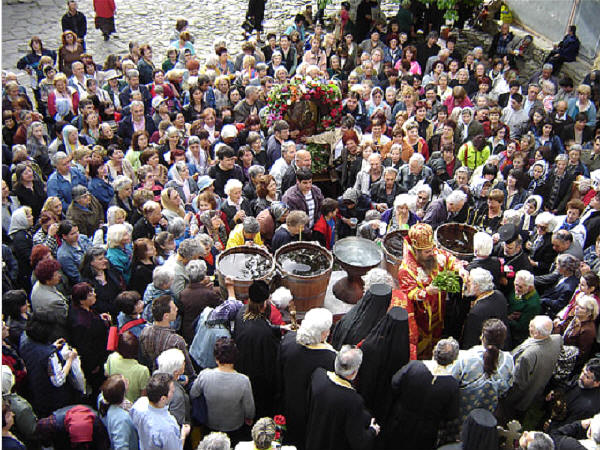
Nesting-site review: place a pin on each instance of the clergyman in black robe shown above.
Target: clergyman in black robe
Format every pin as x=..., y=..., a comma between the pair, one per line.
x=258, y=344
x=301, y=353
x=359, y=321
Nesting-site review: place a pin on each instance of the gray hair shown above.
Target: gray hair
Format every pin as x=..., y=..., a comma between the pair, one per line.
x=162, y=277
x=215, y=441
x=176, y=227
x=404, y=200
x=315, y=322
x=543, y=325
x=568, y=262
x=170, y=361
x=446, y=351
x=193, y=140
x=255, y=171
x=348, y=361
x=58, y=157
x=389, y=169
x=512, y=216
x=205, y=239
x=115, y=235
x=526, y=276
x=541, y=441
x=561, y=157
x=172, y=131
x=111, y=214
x=251, y=225
x=483, y=244
x=196, y=270
x=424, y=188
x=417, y=157
x=285, y=146
x=181, y=166
x=232, y=184
x=377, y=276
x=189, y=249
x=482, y=278
x=122, y=182
x=456, y=196
x=132, y=73
x=251, y=89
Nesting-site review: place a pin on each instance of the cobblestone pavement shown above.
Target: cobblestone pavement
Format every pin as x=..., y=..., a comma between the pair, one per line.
x=145, y=21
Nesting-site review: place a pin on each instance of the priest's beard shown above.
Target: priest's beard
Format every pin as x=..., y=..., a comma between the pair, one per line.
x=427, y=262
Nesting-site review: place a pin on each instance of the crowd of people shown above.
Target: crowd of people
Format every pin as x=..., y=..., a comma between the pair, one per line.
x=122, y=183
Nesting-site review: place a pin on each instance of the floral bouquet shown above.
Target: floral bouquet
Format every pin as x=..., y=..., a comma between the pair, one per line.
x=280, y=427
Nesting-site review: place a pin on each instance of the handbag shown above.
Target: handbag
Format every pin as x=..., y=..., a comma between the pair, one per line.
x=114, y=333
x=199, y=409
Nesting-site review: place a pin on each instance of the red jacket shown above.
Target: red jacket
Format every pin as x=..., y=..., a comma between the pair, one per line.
x=104, y=8
x=323, y=227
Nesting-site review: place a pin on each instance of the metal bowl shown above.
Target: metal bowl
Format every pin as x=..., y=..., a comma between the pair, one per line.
x=357, y=252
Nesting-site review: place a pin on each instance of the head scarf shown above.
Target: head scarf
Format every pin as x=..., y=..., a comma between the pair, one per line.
x=65, y=134
x=18, y=221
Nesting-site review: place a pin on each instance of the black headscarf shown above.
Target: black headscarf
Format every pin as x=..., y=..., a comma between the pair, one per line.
x=385, y=351
x=479, y=431
x=357, y=322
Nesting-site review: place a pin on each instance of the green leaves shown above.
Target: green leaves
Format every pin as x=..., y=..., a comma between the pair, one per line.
x=447, y=280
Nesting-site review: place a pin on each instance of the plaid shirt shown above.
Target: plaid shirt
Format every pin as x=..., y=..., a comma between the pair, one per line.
x=155, y=339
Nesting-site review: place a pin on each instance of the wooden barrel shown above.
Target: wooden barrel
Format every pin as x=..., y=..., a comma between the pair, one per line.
x=391, y=262
x=308, y=291
x=448, y=235
x=241, y=286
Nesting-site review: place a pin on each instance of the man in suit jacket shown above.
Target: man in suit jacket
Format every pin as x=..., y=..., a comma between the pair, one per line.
x=136, y=121
x=535, y=361
x=133, y=84
x=578, y=131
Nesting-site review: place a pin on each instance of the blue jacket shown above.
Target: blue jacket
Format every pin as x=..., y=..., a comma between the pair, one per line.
x=69, y=258
x=103, y=191
x=556, y=298
x=120, y=427
x=59, y=187
x=569, y=47
x=573, y=110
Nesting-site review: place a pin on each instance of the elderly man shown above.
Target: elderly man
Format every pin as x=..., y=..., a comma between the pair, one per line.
x=348, y=424
x=370, y=176
x=301, y=353
x=247, y=232
x=535, y=361
x=250, y=105
x=422, y=263
x=488, y=303
x=189, y=250
x=133, y=85
x=85, y=211
x=451, y=209
x=563, y=243
x=64, y=179
x=137, y=121
x=413, y=172
x=151, y=223
x=302, y=160
x=523, y=305
x=77, y=80
x=415, y=423
x=567, y=279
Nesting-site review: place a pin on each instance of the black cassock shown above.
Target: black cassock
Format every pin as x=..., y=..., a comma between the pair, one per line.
x=258, y=358
x=420, y=403
x=337, y=418
x=494, y=306
x=298, y=362
x=358, y=322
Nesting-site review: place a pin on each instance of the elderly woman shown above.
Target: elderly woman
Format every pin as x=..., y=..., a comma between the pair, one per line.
x=88, y=331
x=48, y=373
x=484, y=372
x=172, y=361
x=369, y=176
x=85, y=211
x=98, y=184
x=579, y=329
x=231, y=408
x=46, y=300
x=523, y=305
x=542, y=254
x=235, y=207
x=264, y=432
x=123, y=188
x=124, y=362
x=557, y=297
x=400, y=216
x=107, y=281
x=37, y=146
x=162, y=277
x=20, y=233
x=171, y=203
x=185, y=185
x=197, y=295
x=198, y=158
x=119, y=253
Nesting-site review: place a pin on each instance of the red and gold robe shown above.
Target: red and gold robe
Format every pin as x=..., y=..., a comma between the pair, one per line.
x=428, y=309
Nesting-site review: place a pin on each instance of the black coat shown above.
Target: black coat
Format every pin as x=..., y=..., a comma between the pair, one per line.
x=125, y=97
x=298, y=362
x=34, y=198
x=126, y=129
x=76, y=23
x=592, y=225
x=492, y=306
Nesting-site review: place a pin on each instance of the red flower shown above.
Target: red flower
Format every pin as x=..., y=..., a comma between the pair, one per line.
x=279, y=420
x=277, y=435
